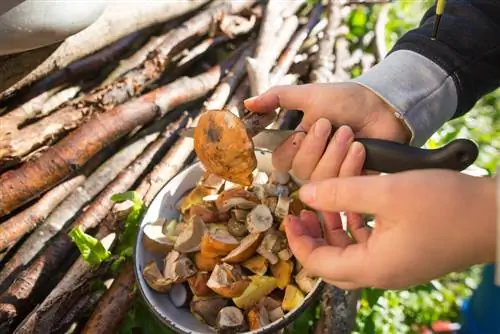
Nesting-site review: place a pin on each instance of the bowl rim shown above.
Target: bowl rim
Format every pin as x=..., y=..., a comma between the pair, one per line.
x=274, y=326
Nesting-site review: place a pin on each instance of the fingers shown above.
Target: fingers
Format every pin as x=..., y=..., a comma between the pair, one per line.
x=361, y=194
x=320, y=259
x=334, y=232
x=311, y=223
x=335, y=155
x=283, y=155
x=354, y=161
x=311, y=149
x=356, y=225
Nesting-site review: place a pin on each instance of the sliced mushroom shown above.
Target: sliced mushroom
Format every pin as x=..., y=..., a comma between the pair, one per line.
x=285, y=254
x=260, y=178
x=305, y=282
x=282, y=207
x=195, y=196
x=179, y=295
x=257, y=264
x=279, y=177
x=245, y=250
x=258, y=318
x=207, y=308
x=189, y=240
x=178, y=267
x=217, y=241
x=259, y=287
x=212, y=181
x=231, y=320
x=296, y=206
x=227, y=280
x=273, y=308
x=208, y=215
x=198, y=284
x=236, y=197
x=271, y=245
x=240, y=214
x=282, y=271
x=155, y=279
x=293, y=298
x=271, y=202
x=276, y=314
x=260, y=219
x=154, y=240
x=236, y=228
x=204, y=263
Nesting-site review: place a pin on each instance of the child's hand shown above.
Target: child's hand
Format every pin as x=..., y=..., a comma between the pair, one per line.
x=325, y=105
x=428, y=223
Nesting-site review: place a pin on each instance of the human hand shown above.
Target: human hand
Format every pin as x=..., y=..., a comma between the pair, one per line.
x=324, y=106
x=428, y=223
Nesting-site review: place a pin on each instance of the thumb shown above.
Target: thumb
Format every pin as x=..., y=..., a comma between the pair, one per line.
x=360, y=194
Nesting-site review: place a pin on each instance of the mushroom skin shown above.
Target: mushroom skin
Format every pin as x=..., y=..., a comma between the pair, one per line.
x=154, y=240
x=178, y=267
x=257, y=317
x=190, y=238
x=217, y=242
x=257, y=264
x=207, y=308
x=155, y=279
x=236, y=197
x=245, y=250
x=198, y=284
x=231, y=320
x=227, y=280
x=204, y=263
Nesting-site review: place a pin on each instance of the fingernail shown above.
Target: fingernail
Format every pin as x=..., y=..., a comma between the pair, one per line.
x=250, y=99
x=307, y=193
x=357, y=149
x=322, y=128
x=298, y=138
x=343, y=134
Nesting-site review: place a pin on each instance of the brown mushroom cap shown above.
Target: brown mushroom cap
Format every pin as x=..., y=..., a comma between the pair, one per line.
x=155, y=279
x=223, y=145
x=245, y=250
x=217, y=241
x=228, y=280
x=198, y=284
x=190, y=238
x=258, y=317
x=231, y=320
x=236, y=198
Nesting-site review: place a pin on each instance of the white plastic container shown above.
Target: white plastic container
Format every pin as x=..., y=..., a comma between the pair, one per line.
x=31, y=24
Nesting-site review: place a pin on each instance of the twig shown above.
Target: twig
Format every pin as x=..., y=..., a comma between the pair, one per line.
x=235, y=104
x=380, y=45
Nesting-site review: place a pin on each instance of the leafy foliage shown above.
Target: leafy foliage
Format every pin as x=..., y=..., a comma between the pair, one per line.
x=92, y=250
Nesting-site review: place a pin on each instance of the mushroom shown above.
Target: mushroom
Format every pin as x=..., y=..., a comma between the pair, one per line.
x=282, y=271
x=259, y=287
x=258, y=317
x=208, y=215
x=195, y=196
x=198, y=284
x=225, y=148
x=236, y=197
x=273, y=308
x=178, y=267
x=260, y=219
x=155, y=279
x=279, y=177
x=154, y=240
x=240, y=214
x=285, y=254
x=207, y=308
x=179, y=295
x=217, y=241
x=205, y=263
x=271, y=202
x=231, y=320
x=276, y=314
x=245, y=249
x=282, y=207
x=257, y=264
x=212, y=181
x=227, y=280
x=236, y=228
x=259, y=178
x=293, y=298
x=189, y=240
x=305, y=282
x=296, y=206
x=271, y=244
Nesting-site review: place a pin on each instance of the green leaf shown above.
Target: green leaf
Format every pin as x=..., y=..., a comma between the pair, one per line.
x=92, y=250
x=140, y=319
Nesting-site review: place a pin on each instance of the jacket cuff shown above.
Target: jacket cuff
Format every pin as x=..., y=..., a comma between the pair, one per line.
x=423, y=95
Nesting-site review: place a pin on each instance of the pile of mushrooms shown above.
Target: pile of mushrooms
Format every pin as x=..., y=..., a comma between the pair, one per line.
x=226, y=257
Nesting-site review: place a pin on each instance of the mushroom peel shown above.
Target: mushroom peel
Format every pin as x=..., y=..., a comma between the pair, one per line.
x=227, y=281
x=260, y=219
x=190, y=238
x=224, y=146
x=198, y=284
x=154, y=240
x=155, y=279
x=245, y=249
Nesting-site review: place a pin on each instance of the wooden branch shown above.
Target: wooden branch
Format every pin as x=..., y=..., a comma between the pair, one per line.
x=117, y=21
x=35, y=177
x=18, y=300
x=380, y=44
x=235, y=104
x=338, y=311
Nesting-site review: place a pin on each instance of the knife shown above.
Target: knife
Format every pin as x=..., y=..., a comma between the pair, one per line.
x=382, y=155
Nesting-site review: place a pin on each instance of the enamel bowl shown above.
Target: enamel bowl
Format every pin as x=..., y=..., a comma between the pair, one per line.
x=181, y=320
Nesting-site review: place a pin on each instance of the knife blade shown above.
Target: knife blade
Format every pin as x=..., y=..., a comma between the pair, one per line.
x=382, y=155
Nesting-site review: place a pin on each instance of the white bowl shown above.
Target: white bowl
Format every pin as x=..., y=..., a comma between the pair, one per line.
x=163, y=206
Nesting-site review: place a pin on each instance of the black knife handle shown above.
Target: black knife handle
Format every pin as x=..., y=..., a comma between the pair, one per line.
x=391, y=157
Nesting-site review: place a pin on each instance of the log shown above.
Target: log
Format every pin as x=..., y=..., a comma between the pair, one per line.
x=31, y=284
x=35, y=177
x=131, y=84
x=235, y=104
x=117, y=21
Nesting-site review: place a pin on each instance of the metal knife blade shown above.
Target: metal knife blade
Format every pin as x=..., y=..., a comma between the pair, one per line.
x=266, y=139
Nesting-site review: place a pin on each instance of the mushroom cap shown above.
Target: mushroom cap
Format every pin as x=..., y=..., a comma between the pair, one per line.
x=155, y=240
x=155, y=279
x=223, y=145
x=228, y=281
x=245, y=250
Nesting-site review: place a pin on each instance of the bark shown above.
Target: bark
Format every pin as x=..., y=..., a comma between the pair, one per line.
x=292, y=7
x=35, y=177
x=380, y=45
x=235, y=104
x=285, y=61
x=74, y=203
x=18, y=300
x=338, y=311
x=324, y=64
x=118, y=21
x=130, y=85
x=113, y=306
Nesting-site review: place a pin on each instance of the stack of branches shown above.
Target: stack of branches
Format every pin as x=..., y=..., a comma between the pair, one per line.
x=80, y=159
